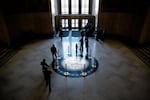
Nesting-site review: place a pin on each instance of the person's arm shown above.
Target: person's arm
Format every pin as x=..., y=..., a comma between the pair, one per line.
x=55, y=50
x=46, y=64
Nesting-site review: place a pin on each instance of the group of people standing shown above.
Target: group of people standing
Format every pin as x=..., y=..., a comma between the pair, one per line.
x=82, y=44
x=88, y=30
x=46, y=68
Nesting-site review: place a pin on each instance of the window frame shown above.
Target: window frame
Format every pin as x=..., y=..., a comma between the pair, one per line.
x=79, y=7
x=65, y=23
x=74, y=23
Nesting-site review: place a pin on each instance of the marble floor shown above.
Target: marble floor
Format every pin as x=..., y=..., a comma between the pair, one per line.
x=120, y=74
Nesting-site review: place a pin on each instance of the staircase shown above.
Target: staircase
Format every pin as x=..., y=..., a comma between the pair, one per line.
x=143, y=53
x=6, y=54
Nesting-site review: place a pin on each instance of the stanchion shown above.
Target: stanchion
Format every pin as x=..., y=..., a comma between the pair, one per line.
x=66, y=73
x=93, y=63
x=84, y=72
x=56, y=65
x=90, y=57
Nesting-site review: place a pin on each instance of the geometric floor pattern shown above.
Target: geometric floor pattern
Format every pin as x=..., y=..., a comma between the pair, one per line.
x=75, y=67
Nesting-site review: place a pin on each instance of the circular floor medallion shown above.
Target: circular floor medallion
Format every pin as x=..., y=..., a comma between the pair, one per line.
x=75, y=66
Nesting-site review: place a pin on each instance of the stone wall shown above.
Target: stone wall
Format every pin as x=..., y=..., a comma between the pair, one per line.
x=4, y=36
x=125, y=18
x=145, y=36
x=24, y=18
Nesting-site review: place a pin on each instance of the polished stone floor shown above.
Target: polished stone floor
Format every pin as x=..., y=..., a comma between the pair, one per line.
x=120, y=74
x=72, y=60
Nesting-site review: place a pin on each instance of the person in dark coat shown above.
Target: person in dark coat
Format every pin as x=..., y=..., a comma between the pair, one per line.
x=44, y=64
x=87, y=44
x=76, y=49
x=44, y=67
x=54, y=51
x=82, y=34
x=81, y=44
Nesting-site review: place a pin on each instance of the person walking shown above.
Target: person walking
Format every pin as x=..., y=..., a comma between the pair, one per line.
x=81, y=45
x=54, y=51
x=44, y=64
x=44, y=67
x=87, y=44
x=82, y=34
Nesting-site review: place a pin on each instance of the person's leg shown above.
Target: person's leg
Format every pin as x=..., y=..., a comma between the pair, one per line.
x=76, y=52
x=87, y=50
x=49, y=83
x=61, y=37
x=55, y=55
x=82, y=48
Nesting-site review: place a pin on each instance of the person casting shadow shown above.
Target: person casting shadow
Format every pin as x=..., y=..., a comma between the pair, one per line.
x=81, y=44
x=87, y=44
x=44, y=67
x=46, y=73
x=76, y=49
x=44, y=64
x=54, y=51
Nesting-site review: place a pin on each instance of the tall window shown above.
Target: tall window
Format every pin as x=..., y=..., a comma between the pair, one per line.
x=53, y=12
x=96, y=6
x=75, y=23
x=64, y=23
x=64, y=7
x=95, y=10
x=85, y=7
x=84, y=22
x=75, y=7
